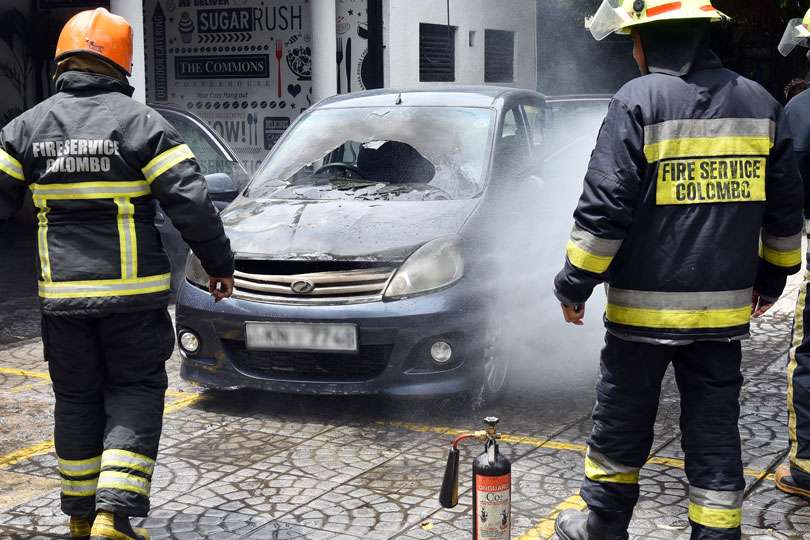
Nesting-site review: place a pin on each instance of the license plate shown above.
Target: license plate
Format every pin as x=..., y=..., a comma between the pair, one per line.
x=324, y=337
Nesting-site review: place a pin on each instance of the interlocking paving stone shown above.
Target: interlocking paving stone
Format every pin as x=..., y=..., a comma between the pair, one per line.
x=251, y=465
x=363, y=512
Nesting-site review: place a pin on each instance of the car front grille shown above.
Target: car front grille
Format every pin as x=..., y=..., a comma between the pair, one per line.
x=369, y=362
x=315, y=282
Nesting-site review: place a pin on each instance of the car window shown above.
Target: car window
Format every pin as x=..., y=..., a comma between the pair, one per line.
x=512, y=150
x=534, y=122
x=381, y=153
x=209, y=156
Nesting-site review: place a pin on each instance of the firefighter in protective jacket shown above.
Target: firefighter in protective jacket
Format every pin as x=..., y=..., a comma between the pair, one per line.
x=691, y=215
x=794, y=477
x=97, y=162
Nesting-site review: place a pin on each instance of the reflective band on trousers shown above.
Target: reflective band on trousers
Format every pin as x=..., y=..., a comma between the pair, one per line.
x=708, y=137
x=783, y=251
x=600, y=468
x=589, y=252
x=716, y=509
x=123, y=459
x=79, y=488
x=687, y=310
x=110, y=287
x=124, y=482
x=11, y=166
x=165, y=161
x=80, y=467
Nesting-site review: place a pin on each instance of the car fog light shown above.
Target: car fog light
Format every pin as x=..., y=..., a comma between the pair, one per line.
x=189, y=342
x=441, y=352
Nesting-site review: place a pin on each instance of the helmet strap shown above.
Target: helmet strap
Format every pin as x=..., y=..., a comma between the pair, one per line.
x=638, y=52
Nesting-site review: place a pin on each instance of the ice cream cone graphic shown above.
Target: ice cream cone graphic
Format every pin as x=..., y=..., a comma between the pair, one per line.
x=186, y=27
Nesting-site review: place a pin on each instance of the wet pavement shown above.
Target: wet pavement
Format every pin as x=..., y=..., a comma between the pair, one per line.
x=248, y=465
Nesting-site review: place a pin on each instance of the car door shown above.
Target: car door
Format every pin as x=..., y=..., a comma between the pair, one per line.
x=224, y=175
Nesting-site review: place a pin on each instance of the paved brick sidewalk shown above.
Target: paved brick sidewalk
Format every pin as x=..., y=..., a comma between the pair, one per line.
x=247, y=465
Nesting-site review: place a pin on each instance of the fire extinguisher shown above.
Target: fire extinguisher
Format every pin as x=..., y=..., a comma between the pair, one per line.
x=492, y=485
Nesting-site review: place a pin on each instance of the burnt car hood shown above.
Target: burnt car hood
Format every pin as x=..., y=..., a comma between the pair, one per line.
x=340, y=229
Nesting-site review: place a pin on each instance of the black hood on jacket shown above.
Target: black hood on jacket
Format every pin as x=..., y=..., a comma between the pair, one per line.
x=81, y=81
x=678, y=47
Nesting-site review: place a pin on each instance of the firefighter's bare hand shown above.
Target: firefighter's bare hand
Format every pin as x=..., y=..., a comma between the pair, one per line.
x=574, y=314
x=759, y=305
x=220, y=287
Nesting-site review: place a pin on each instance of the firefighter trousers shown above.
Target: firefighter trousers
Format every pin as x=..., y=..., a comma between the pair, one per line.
x=109, y=379
x=798, y=392
x=709, y=380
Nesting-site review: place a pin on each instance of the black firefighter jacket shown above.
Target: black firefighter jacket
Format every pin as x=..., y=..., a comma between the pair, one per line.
x=797, y=112
x=692, y=199
x=96, y=161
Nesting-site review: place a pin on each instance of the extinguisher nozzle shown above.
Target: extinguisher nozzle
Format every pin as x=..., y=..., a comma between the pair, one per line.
x=448, y=496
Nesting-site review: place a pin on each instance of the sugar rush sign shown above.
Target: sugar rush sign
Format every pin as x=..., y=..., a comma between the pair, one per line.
x=243, y=66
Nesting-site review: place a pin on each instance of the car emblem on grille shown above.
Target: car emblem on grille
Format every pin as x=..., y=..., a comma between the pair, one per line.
x=302, y=286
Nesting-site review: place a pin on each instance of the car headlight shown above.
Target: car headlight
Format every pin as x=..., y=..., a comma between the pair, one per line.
x=435, y=265
x=195, y=272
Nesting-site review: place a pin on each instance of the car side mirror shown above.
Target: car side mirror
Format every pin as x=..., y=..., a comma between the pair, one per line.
x=221, y=187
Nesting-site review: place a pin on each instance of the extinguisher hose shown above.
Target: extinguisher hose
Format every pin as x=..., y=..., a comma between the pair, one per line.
x=460, y=438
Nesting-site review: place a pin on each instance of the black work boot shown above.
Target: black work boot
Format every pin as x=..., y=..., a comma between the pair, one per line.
x=592, y=525
x=109, y=526
x=785, y=482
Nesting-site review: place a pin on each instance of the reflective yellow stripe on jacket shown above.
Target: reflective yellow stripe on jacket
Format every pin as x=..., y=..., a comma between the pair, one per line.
x=708, y=137
x=784, y=251
x=679, y=310
x=121, y=193
x=589, y=252
x=10, y=166
x=716, y=509
x=165, y=161
x=105, y=287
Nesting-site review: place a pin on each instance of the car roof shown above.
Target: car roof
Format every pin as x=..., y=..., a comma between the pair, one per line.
x=440, y=96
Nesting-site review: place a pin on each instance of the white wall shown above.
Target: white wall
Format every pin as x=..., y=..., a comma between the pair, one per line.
x=132, y=11
x=401, y=36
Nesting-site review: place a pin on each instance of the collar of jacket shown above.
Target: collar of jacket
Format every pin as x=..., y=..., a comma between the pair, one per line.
x=73, y=81
x=678, y=48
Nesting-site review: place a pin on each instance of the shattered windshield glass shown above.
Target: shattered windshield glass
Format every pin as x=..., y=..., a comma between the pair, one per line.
x=386, y=153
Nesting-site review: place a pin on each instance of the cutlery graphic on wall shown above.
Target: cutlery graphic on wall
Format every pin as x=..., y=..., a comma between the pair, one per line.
x=250, y=128
x=279, y=54
x=339, y=60
x=349, y=64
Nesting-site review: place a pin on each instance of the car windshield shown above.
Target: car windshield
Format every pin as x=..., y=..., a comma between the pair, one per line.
x=386, y=153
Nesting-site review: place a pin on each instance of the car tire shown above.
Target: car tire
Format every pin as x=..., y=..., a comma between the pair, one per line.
x=493, y=376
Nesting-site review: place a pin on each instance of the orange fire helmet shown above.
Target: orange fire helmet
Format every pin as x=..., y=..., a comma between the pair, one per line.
x=100, y=33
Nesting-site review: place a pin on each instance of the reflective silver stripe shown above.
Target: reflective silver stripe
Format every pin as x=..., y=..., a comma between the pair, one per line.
x=11, y=166
x=730, y=500
x=165, y=161
x=114, y=286
x=124, y=482
x=708, y=128
x=92, y=189
x=124, y=459
x=80, y=467
x=79, y=488
x=680, y=300
x=593, y=244
x=782, y=243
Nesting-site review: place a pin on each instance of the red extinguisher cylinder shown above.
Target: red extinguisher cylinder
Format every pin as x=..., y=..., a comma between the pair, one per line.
x=492, y=485
x=492, y=495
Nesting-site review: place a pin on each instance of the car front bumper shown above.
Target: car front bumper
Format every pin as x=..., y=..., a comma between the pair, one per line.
x=397, y=334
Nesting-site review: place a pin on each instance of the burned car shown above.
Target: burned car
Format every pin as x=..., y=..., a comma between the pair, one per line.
x=375, y=248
